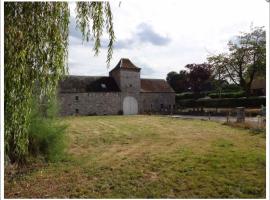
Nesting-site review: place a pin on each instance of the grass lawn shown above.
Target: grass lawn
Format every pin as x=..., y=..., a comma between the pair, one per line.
x=149, y=157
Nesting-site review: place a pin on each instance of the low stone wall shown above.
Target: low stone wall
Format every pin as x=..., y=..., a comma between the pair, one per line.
x=94, y=103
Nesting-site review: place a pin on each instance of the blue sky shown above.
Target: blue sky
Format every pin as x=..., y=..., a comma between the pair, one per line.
x=164, y=36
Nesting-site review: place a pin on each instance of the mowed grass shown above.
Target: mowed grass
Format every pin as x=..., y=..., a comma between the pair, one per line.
x=149, y=157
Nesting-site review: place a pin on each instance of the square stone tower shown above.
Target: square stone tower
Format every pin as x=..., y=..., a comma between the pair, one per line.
x=127, y=77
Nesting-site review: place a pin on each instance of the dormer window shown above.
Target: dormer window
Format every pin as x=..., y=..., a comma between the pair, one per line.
x=103, y=86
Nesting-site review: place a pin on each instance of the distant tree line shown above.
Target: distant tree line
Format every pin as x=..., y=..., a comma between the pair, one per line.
x=234, y=70
x=196, y=78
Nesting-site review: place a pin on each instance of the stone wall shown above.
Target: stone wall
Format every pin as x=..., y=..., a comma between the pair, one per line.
x=130, y=85
x=156, y=102
x=130, y=81
x=94, y=103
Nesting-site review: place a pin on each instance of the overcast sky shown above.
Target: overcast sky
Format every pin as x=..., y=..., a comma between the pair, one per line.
x=164, y=36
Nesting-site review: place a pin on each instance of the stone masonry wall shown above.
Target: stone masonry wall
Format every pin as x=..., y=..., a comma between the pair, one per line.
x=94, y=103
x=156, y=102
x=130, y=85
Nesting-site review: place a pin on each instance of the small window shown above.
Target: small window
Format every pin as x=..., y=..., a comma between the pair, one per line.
x=103, y=85
x=76, y=98
x=170, y=106
x=130, y=85
x=77, y=111
x=161, y=106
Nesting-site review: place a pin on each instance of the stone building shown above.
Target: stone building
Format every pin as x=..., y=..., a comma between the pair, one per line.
x=122, y=92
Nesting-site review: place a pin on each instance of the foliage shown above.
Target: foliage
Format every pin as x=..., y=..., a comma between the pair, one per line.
x=231, y=88
x=251, y=102
x=178, y=81
x=46, y=135
x=246, y=59
x=196, y=78
x=190, y=95
x=199, y=77
x=35, y=50
x=93, y=16
x=236, y=94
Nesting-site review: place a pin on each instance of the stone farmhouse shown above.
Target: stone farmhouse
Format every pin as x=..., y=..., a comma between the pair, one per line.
x=122, y=92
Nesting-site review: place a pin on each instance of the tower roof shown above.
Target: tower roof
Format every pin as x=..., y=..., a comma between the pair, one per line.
x=126, y=64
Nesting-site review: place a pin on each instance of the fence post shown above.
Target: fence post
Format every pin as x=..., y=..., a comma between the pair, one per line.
x=228, y=115
x=240, y=117
x=259, y=124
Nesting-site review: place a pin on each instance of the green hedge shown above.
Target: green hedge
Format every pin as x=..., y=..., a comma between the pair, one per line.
x=251, y=102
x=227, y=94
x=191, y=95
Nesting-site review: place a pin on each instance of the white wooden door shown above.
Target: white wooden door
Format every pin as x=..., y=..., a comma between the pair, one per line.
x=130, y=106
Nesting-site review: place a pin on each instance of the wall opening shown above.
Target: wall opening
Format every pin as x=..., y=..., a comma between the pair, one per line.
x=130, y=106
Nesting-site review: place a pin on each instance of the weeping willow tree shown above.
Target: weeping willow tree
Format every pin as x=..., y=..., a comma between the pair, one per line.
x=35, y=50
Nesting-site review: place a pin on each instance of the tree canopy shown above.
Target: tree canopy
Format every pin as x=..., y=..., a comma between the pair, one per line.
x=246, y=59
x=35, y=50
x=195, y=78
x=178, y=81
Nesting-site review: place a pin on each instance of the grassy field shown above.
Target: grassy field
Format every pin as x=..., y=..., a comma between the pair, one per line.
x=148, y=157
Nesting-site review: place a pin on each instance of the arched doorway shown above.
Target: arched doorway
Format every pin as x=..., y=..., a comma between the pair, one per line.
x=130, y=106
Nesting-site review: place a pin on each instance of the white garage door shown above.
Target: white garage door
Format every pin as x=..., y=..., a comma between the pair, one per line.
x=130, y=106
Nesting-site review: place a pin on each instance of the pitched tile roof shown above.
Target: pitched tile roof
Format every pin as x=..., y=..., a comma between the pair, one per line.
x=126, y=64
x=155, y=85
x=78, y=84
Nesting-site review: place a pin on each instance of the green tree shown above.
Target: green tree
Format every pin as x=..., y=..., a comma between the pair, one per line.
x=178, y=81
x=35, y=50
x=199, y=77
x=246, y=59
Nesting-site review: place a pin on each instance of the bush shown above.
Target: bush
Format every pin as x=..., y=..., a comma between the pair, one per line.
x=46, y=134
x=189, y=95
x=227, y=94
x=251, y=102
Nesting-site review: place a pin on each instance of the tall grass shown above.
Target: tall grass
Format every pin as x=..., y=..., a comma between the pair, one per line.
x=46, y=134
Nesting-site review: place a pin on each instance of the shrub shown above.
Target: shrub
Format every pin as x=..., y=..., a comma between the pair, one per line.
x=46, y=134
x=251, y=102
x=227, y=94
x=189, y=95
x=231, y=88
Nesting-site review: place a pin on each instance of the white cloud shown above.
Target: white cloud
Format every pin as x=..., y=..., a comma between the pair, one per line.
x=188, y=30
